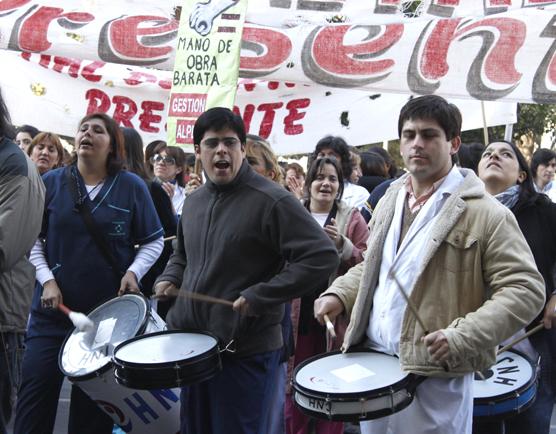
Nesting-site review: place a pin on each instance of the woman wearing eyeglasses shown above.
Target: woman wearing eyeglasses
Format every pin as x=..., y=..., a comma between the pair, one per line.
x=168, y=168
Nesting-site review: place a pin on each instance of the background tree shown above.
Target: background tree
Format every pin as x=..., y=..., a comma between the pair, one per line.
x=533, y=120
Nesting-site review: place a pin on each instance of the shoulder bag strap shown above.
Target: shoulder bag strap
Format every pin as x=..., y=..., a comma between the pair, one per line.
x=95, y=232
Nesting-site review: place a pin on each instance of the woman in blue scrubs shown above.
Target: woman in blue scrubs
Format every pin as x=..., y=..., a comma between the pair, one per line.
x=72, y=270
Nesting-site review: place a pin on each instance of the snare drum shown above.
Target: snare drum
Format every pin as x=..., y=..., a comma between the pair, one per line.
x=85, y=358
x=167, y=359
x=354, y=386
x=509, y=387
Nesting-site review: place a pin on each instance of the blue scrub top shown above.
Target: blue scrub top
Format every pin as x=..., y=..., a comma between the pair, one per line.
x=123, y=210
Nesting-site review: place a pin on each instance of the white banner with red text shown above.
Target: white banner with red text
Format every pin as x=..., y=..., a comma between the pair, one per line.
x=53, y=93
x=508, y=56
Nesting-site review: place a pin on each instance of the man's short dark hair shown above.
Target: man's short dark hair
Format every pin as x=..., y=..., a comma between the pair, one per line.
x=29, y=129
x=435, y=108
x=469, y=155
x=541, y=156
x=217, y=119
x=340, y=147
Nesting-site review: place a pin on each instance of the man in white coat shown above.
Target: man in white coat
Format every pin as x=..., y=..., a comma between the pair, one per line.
x=462, y=261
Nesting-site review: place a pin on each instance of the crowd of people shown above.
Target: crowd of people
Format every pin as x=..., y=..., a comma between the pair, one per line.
x=437, y=266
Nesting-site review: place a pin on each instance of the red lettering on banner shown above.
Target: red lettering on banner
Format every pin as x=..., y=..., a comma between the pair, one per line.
x=187, y=105
x=502, y=39
x=327, y=60
x=34, y=29
x=544, y=82
x=147, y=118
x=334, y=56
x=270, y=48
x=269, y=110
x=45, y=61
x=387, y=6
x=291, y=125
x=124, y=111
x=295, y=115
x=247, y=115
x=66, y=65
x=138, y=77
x=60, y=63
x=321, y=5
x=184, y=131
x=11, y=5
x=442, y=8
x=496, y=6
x=165, y=84
x=98, y=101
x=433, y=63
x=126, y=40
x=88, y=72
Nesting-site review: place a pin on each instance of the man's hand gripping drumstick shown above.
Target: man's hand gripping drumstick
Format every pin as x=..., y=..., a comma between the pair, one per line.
x=435, y=342
x=165, y=290
x=326, y=309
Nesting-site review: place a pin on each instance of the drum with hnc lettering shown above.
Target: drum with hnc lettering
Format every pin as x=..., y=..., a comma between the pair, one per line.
x=359, y=385
x=507, y=388
x=86, y=359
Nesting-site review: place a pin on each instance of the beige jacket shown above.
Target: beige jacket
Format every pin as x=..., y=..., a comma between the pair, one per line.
x=478, y=282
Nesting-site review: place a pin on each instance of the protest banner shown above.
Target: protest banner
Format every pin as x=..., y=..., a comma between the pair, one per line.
x=53, y=93
x=207, y=64
x=509, y=56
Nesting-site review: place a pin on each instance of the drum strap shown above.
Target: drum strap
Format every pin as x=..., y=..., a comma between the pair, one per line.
x=83, y=209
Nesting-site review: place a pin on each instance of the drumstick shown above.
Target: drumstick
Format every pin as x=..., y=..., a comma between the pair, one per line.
x=413, y=309
x=329, y=326
x=518, y=340
x=201, y=297
x=79, y=320
x=198, y=168
x=173, y=237
x=410, y=304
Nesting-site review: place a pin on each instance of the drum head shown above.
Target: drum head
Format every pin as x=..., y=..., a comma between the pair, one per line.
x=117, y=320
x=164, y=347
x=349, y=373
x=512, y=372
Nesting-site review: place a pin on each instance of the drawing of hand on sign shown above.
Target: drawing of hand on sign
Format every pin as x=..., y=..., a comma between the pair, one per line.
x=203, y=14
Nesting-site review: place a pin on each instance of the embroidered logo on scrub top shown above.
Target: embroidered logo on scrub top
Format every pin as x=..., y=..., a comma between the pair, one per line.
x=118, y=229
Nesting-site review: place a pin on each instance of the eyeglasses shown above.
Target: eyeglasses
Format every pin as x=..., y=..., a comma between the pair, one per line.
x=229, y=142
x=157, y=158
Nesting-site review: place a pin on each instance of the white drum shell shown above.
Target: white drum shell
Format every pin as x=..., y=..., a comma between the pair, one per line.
x=361, y=385
x=135, y=411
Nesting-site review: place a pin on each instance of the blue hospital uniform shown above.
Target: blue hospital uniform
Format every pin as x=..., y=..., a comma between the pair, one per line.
x=124, y=211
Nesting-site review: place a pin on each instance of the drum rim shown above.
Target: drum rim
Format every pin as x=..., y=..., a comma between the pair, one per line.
x=503, y=414
x=410, y=380
x=355, y=417
x=118, y=363
x=530, y=383
x=106, y=367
